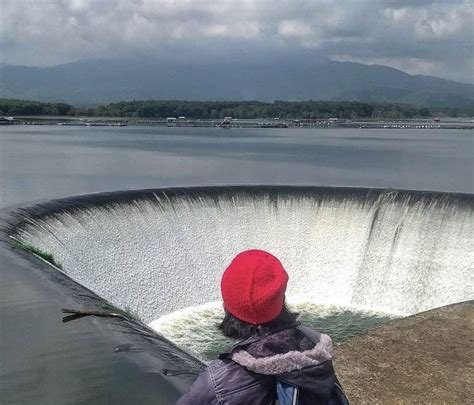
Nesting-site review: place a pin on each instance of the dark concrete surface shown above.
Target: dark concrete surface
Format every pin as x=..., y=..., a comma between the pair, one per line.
x=46, y=361
x=426, y=358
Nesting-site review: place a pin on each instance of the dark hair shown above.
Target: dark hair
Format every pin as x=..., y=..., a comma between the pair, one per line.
x=235, y=328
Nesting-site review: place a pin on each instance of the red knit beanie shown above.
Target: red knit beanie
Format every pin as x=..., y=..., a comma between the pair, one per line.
x=253, y=287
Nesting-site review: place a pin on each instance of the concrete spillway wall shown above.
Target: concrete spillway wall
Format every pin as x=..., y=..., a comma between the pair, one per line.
x=157, y=251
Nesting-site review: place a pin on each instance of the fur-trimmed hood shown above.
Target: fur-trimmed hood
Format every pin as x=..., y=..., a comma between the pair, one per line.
x=284, y=352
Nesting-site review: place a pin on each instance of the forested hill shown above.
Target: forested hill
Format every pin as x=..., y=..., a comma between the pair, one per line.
x=105, y=81
x=235, y=109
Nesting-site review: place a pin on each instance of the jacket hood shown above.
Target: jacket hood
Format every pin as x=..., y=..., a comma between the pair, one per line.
x=285, y=352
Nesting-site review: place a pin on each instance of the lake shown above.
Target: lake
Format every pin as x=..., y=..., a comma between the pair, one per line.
x=42, y=162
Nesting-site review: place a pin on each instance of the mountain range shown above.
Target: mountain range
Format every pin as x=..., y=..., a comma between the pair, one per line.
x=92, y=82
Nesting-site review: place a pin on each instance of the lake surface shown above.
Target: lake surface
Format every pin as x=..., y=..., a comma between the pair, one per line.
x=38, y=162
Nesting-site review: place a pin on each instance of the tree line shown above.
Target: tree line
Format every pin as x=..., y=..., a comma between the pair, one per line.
x=236, y=109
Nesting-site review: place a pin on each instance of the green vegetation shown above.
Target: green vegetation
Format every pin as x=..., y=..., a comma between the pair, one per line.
x=24, y=107
x=131, y=313
x=27, y=247
x=128, y=311
x=236, y=109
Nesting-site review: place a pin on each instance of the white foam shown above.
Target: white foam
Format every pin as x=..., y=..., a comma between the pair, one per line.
x=196, y=328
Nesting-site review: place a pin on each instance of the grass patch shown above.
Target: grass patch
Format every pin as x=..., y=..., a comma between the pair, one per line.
x=27, y=247
x=128, y=311
x=131, y=313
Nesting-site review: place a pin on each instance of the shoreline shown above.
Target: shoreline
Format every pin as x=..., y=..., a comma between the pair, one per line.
x=465, y=123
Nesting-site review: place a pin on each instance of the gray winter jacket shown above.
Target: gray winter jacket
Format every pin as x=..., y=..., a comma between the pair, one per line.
x=297, y=356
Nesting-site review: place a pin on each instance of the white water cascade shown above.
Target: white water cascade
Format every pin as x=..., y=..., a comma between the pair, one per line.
x=389, y=252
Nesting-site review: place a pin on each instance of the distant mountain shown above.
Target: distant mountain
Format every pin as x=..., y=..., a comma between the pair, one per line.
x=93, y=82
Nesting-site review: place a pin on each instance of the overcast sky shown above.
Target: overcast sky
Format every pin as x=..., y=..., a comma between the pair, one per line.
x=418, y=36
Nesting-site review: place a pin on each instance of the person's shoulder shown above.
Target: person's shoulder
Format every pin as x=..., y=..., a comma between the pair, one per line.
x=223, y=368
x=226, y=376
x=209, y=387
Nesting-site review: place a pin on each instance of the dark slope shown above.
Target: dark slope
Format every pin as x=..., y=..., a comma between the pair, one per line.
x=91, y=360
x=266, y=80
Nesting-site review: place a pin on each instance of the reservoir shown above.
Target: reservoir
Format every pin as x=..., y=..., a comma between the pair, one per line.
x=44, y=162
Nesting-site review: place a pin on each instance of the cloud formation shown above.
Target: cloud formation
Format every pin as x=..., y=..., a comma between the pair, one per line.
x=419, y=36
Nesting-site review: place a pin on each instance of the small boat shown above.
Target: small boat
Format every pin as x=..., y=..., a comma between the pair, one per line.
x=226, y=124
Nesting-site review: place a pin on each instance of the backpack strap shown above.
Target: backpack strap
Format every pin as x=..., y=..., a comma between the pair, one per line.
x=286, y=393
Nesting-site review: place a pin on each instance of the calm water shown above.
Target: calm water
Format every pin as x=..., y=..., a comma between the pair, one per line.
x=39, y=162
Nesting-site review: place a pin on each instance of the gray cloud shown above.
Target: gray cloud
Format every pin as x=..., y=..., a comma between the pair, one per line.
x=419, y=36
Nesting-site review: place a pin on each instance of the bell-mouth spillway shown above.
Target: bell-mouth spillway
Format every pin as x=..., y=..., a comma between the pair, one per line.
x=393, y=252
x=162, y=250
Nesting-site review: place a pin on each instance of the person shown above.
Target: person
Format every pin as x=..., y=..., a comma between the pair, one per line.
x=275, y=358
